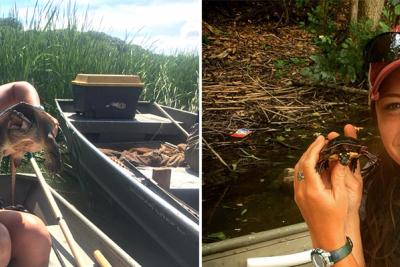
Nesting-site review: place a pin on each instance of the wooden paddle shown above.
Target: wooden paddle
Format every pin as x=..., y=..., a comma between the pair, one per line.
x=183, y=131
x=57, y=213
x=13, y=178
x=101, y=260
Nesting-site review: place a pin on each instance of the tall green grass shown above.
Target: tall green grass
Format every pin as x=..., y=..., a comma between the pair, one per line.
x=50, y=57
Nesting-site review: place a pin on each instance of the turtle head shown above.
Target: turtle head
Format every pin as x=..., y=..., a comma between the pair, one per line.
x=18, y=122
x=344, y=158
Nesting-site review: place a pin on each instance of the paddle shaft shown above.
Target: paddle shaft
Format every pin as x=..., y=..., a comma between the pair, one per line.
x=184, y=132
x=13, y=178
x=116, y=250
x=57, y=213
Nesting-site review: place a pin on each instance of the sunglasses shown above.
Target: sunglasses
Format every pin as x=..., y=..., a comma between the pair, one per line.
x=383, y=47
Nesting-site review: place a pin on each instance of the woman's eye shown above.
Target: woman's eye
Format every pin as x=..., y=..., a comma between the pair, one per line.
x=392, y=106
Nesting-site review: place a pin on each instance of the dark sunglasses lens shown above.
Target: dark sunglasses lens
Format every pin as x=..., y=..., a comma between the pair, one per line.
x=384, y=47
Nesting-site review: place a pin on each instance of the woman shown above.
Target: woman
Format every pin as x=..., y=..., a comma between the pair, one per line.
x=344, y=234
x=24, y=239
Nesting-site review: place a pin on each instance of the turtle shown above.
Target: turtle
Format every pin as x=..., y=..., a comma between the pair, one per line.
x=28, y=128
x=347, y=150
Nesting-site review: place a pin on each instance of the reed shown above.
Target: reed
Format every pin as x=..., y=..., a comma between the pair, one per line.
x=55, y=44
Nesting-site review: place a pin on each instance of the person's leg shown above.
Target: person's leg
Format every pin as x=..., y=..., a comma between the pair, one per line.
x=30, y=240
x=5, y=246
x=15, y=92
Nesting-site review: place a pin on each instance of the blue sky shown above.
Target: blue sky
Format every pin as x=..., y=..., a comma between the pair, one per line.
x=165, y=26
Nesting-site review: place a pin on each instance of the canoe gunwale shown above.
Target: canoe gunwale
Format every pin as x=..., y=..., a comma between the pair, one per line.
x=251, y=239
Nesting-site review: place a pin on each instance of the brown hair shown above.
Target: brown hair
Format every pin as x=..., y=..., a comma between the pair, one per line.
x=380, y=228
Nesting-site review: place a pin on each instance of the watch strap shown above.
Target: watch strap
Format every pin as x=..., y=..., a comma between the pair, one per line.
x=342, y=252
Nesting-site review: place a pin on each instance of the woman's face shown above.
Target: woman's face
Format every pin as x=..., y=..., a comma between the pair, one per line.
x=388, y=114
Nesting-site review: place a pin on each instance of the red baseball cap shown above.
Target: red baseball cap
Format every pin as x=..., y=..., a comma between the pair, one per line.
x=378, y=71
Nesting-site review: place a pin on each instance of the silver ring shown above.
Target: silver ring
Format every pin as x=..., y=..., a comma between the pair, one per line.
x=300, y=176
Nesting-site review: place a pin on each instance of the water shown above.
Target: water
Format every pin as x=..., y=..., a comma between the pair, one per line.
x=250, y=200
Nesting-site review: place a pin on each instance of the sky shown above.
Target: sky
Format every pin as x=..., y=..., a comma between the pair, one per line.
x=165, y=26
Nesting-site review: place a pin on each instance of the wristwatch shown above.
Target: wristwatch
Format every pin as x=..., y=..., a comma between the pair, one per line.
x=322, y=258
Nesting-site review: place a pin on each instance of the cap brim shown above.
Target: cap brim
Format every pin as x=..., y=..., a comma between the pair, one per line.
x=381, y=76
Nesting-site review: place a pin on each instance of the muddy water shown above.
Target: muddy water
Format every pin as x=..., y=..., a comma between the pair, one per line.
x=250, y=200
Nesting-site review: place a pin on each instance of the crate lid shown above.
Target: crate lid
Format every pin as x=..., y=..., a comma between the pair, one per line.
x=108, y=80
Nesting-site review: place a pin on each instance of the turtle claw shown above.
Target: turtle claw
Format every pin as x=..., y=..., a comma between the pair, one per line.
x=353, y=165
x=371, y=165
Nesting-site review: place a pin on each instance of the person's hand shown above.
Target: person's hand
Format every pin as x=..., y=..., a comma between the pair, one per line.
x=325, y=200
x=354, y=184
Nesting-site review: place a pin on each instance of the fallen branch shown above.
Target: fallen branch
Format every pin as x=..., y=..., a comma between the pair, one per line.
x=210, y=217
x=343, y=88
x=287, y=145
x=216, y=154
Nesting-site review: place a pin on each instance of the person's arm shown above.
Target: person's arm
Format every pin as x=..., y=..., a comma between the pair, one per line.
x=332, y=239
x=326, y=200
x=331, y=242
x=353, y=231
x=15, y=92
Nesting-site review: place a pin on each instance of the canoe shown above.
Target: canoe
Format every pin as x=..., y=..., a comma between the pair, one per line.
x=276, y=242
x=170, y=219
x=88, y=237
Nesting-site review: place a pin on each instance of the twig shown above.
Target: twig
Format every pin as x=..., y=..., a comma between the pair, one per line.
x=279, y=114
x=226, y=108
x=216, y=154
x=286, y=145
x=333, y=86
x=217, y=204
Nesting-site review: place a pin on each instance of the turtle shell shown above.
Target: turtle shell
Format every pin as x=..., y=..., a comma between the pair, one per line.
x=27, y=128
x=342, y=144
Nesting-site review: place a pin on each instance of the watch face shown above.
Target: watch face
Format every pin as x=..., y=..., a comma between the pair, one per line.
x=318, y=260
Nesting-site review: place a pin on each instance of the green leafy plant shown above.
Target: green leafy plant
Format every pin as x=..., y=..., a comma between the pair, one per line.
x=344, y=61
x=390, y=15
x=282, y=66
x=320, y=19
x=340, y=58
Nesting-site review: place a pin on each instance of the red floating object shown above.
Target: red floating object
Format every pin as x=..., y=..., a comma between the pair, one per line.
x=241, y=133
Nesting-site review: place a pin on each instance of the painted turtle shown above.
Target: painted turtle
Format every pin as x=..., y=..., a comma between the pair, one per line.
x=346, y=150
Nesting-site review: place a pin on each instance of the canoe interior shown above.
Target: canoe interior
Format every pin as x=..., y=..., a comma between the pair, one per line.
x=31, y=196
x=148, y=129
x=234, y=252
x=185, y=182
x=169, y=229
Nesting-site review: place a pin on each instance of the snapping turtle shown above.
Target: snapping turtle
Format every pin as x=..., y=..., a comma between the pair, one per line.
x=27, y=128
x=346, y=150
